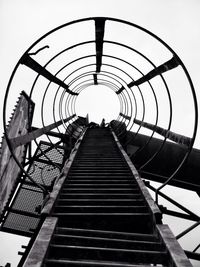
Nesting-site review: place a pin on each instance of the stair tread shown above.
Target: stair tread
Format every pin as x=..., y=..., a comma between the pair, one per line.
x=100, y=195
x=103, y=213
x=101, y=189
x=100, y=180
x=100, y=208
x=93, y=166
x=74, y=240
x=129, y=242
x=95, y=263
x=101, y=199
x=111, y=177
x=108, y=233
x=88, y=252
x=108, y=249
x=69, y=184
x=103, y=194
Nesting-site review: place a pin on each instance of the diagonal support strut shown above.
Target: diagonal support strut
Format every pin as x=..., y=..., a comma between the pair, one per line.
x=24, y=139
x=170, y=64
x=99, y=35
x=95, y=79
x=35, y=66
x=120, y=90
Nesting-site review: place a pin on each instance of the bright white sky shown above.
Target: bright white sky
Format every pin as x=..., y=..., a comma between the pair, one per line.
x=22, y=22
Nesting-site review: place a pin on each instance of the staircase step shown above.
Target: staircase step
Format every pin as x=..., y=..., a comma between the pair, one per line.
x=100, y=208
x=100, y=190
x=70, y=185
x=100, y=168
x=107, y=195
x=100, y=176
x=107, y=234
x=104, y=159
x=100, y=154
x=99, y=253
x=82, y=160
x=79, y=163
x=100, y=181
x=103, y=218
x=75, y=201
x=90, y=263
x=100, y=157
x=132, y=222
x=75, y=240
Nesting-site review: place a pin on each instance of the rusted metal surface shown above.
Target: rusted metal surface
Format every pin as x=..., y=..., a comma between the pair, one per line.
x=177, y=255
x=41, y=244
x=154, y=208
x=9, y=170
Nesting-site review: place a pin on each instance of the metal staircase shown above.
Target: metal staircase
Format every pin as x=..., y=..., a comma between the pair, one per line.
x=106, y=216
x=75, y=192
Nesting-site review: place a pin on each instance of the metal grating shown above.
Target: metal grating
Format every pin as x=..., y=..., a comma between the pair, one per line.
x=25, y=199
x=54, y=154
x=43, y=173
x=21, y=224
x=22, y=215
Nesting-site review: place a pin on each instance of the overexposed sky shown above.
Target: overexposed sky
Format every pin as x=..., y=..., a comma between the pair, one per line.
x=22, y=22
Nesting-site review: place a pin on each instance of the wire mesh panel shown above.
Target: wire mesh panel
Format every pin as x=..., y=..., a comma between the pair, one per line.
x=22, y=216
x=47, y=152
x=20, y=224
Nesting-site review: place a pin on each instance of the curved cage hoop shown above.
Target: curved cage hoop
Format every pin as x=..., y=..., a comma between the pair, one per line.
x=156, y=96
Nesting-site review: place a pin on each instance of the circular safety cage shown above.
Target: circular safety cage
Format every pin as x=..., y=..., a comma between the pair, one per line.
x=137, y=81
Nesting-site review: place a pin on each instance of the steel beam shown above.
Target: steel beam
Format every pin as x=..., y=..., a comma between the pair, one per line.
x=170, y=64
x=125, y=116
x=152, y=205
x=197, y=247
x=193, y=215
x=120, y=90
x=178, y=138
x=35, y=66
x=95, y=79
x=41, y=244
x=166, y=211
x=175, y=251
x=192, y=255
x=23, y=212
x=188, y=230
x=175, y=182
x=24, y=139
x=35, y=158
x=99, y=35
x=51, y=133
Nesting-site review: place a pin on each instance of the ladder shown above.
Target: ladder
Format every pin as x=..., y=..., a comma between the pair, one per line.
x=105, y=215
